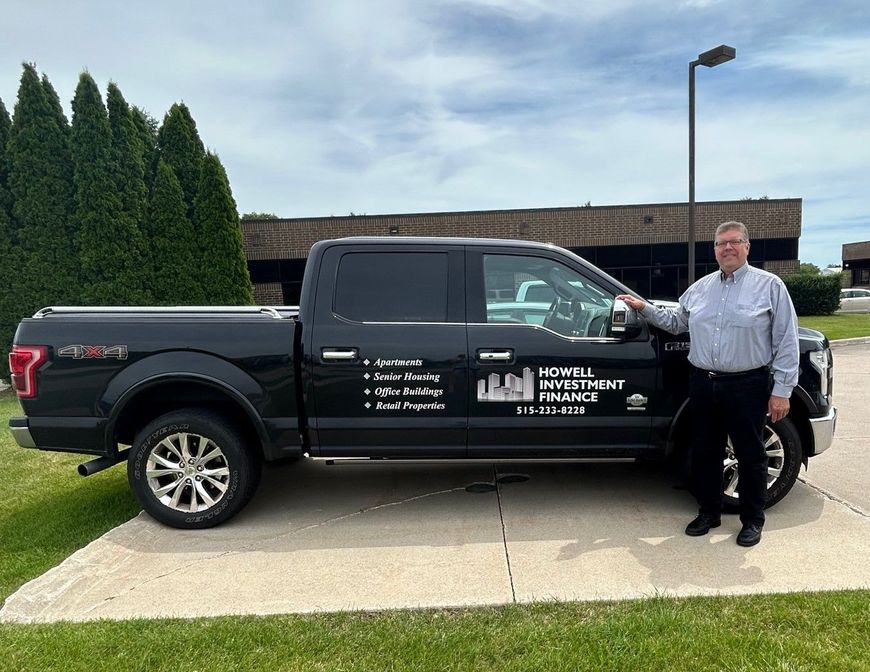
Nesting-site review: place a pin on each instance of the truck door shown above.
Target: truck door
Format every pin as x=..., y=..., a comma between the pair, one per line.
x=548, y=378
x=387, y=353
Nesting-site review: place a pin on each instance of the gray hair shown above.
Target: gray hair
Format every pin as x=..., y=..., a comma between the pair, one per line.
x=732, y=226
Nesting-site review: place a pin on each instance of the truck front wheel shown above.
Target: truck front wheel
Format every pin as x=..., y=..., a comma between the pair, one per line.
x=191, y=469
x=783, y=445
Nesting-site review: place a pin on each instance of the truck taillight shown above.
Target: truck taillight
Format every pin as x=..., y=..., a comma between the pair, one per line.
x=24, y=361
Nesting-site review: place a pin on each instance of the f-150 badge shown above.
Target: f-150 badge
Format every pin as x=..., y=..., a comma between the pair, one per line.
x=93, y=351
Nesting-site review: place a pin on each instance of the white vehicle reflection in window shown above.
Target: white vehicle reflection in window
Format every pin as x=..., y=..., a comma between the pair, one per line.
x=517, y=312
x=538, y=290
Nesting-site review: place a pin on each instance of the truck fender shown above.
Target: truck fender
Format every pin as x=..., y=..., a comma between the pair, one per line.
x=800, y=394
x=182, y=366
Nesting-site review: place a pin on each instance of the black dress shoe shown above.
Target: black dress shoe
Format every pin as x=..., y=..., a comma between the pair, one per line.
x=701, y=525
x=749, y=535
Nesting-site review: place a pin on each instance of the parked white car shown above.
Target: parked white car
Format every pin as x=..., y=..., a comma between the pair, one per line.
x=855, y=300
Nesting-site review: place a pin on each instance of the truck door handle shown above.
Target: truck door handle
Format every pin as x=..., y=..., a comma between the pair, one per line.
x=496, y=356
x=339, y=354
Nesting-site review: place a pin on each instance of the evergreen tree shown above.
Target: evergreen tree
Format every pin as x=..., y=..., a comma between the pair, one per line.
x=56, y=108
x=146, y=127
x=108, y=240
x=128, y=157
x=44, y=269
x=173, y=270
x=224, y=268
x=181, y=148
x=128, y=154
x=7, y=318
x=5, y=198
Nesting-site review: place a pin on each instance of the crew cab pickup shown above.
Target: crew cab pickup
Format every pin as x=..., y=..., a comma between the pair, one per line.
x=400, y=348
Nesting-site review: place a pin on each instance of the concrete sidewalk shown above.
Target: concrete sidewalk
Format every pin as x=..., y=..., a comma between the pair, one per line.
x=383, y=536
x=390, y=535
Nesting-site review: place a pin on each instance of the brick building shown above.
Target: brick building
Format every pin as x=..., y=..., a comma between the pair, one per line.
x=642, y=245
x=856, y=264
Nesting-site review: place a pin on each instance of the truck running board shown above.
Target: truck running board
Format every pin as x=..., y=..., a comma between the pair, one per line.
x=331, y=461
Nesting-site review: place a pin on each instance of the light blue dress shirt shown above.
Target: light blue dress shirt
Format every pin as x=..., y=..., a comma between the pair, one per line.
x=738, y=323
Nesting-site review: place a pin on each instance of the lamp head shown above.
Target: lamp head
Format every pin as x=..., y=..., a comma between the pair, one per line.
x=717, y=55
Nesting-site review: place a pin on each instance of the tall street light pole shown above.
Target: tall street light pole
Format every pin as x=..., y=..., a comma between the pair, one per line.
x=710, y=59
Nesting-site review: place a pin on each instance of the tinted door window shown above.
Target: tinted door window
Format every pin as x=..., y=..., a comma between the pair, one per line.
x=391, y=287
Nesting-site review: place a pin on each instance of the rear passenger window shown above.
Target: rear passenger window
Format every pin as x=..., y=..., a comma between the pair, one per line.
x=392, y=287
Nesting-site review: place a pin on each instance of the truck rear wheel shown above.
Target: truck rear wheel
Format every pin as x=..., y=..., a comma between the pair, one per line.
x=783, y=445
x=191, y=469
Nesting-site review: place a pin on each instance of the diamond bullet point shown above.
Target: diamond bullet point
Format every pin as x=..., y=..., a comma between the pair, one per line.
x=367, y=391
x=367, y=405
x=366, y=362
x=366, y=376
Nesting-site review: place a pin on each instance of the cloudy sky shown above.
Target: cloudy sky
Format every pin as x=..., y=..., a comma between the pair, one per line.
x=326, y=107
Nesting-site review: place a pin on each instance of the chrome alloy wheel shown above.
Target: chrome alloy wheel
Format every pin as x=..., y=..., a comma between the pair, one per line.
x=775, y=461
x=187, y=472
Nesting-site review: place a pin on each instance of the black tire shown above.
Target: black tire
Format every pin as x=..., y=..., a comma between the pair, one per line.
x=785, y=455
x=214, y=477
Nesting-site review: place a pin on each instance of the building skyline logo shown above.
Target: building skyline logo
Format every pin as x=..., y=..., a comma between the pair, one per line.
x=515, y=388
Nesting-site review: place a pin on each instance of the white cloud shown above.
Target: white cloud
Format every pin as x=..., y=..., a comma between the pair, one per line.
x=833, y=57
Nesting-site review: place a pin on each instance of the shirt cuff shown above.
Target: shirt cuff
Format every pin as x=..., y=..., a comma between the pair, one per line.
x=780, y=390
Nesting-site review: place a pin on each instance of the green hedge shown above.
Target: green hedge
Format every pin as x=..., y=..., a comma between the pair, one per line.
x=814, y=294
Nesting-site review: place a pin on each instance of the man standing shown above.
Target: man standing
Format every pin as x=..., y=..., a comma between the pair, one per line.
x=744, y=350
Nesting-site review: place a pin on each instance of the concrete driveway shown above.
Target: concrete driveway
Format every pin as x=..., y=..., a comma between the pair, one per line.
x=390, y=535
x=843, y=471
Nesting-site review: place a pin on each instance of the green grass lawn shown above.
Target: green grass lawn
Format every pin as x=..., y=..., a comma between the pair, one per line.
x=47, y=511
x=813, y=632
x=839, y=326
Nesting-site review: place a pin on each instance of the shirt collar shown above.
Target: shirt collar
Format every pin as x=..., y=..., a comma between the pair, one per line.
x=737, y=275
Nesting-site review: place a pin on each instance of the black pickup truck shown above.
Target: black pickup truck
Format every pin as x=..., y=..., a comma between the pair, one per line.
x=400, y=348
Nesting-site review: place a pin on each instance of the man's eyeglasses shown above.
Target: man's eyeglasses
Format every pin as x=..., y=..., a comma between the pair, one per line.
x=726, y=243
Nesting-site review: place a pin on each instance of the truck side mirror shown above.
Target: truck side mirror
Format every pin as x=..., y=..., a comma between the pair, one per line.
x=624, y=320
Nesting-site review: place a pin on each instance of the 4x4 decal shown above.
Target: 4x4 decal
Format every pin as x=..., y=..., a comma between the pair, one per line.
x=93, y=351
